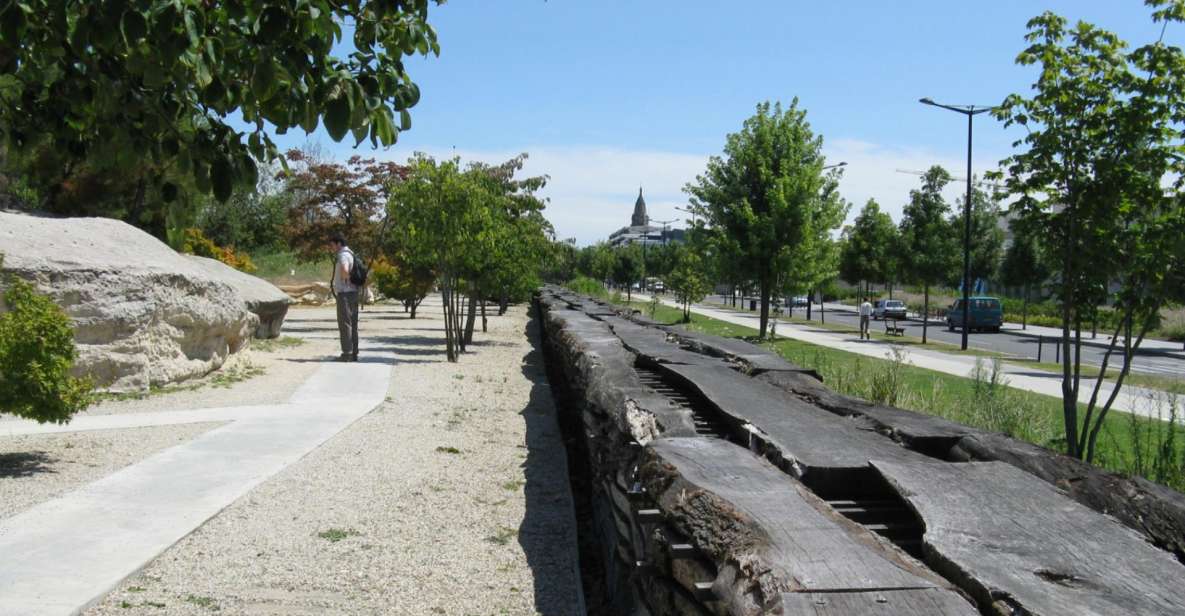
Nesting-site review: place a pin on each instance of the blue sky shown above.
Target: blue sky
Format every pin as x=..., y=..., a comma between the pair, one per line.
x=607, y=95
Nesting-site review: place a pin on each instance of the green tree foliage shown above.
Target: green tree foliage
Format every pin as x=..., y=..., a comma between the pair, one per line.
x=36, y=355
x=252, y=219
x=1097, y=179
x=1023, y=266
x=402, y=282
x=928, y=242
x=762, y=195
x=871, y=249
x=597, y=261
x=627, y=268
x=141, y=91
x=687, y=279
x=987, y=238
x=479, y=228
x=561, y=262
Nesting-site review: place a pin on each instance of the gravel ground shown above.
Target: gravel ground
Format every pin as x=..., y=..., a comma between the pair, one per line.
x=35, y=468
x=451, y=498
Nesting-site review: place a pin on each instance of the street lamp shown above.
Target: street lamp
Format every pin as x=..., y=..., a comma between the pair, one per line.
x=840, y=164
x=970, y=111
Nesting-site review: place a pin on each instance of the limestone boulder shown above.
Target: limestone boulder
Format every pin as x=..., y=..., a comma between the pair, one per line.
x=313, y=294
x=262, y=298
x=143, y=314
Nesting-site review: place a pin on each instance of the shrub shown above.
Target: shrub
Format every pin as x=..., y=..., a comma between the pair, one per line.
x=36, y=355
x=196, y=243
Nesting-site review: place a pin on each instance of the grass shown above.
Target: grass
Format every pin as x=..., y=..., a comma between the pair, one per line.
x=224, y=378
x=271, y=345
x=333, y=535
x=449, y=450
x=286, y=268
x=503, y=536
x=206, y=602
x=1128, y=443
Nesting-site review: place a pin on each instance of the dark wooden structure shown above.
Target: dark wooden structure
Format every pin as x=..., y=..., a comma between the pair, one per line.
x=724, y=480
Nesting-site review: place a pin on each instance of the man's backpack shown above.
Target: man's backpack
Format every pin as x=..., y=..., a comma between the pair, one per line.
x=358, y=272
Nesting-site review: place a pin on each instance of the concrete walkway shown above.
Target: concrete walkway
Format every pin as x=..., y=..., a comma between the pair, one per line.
x=60, y=556
x=1131, y=399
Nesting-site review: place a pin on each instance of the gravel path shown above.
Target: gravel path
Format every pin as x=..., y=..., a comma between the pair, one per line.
x=451, y=498
x=35, y=468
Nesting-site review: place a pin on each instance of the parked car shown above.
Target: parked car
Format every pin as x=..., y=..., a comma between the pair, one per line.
x=798, y=300
x=984, y=314
x=888, y=309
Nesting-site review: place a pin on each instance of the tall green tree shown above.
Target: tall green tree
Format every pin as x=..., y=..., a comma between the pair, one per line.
x=142, y=91
x=627, y=268
x=929, y=248
x=1023, y=266
x=763, y=193
x=987, y=238
x=871, y=249
x=1097, y=178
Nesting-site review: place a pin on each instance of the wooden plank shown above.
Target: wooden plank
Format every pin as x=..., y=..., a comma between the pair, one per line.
x=806, y=435
x=912, y=602
x=653, y=343
x=1013, y=537
x=740, y=508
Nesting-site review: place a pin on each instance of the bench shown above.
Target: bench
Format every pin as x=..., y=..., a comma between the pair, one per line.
x=893, y=329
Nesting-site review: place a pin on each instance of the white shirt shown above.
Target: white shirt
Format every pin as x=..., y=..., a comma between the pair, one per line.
x=345, y=260
x=866, y=309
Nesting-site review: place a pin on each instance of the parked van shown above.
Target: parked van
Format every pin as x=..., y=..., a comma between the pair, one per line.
x=985, y=314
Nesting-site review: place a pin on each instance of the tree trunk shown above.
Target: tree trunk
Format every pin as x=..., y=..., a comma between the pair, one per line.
x=471, y=317
x=822, y=307
x=1024, y=311
x=484, y=327
x=765, y=291
x=926, y=310
x=414, y=304
x=503, y=304
x=810, y=299
x=1069, y=396
x=890, y=290
x=449, y=346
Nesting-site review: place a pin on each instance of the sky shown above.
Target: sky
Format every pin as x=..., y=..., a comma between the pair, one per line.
x=607, y=96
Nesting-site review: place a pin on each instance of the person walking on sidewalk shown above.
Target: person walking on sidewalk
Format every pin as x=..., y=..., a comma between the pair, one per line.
x=865, y=315
x=346, y=294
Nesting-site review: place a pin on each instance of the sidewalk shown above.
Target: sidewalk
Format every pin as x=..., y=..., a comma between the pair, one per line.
x=63, y=554
x=1130, y=399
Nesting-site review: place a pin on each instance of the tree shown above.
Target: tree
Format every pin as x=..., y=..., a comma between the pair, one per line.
x=1023, y=267
x=329, y=198
x=1098, y=182
x=871, y=248
x=402, y=282
x=762, y=194
x=142, y=91
x=628, y=268
x=987, y=239
x=479, y=229
x=687, y=280
x=927, y=239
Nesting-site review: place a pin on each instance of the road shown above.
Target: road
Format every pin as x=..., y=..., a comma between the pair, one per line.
x=1008, y=340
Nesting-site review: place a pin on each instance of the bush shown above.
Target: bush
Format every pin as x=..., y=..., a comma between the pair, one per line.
x=36, y=355
x=196, y=243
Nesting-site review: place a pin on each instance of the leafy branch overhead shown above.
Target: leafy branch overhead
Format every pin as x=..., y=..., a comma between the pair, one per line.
x=153, y=84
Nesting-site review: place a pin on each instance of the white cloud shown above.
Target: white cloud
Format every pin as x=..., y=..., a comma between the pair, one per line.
x=592, y=189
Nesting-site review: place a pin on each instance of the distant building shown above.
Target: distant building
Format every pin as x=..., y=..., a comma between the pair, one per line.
x=641, y=231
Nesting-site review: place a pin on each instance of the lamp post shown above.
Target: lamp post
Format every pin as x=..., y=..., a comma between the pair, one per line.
x=839, y=164
x=970, y=111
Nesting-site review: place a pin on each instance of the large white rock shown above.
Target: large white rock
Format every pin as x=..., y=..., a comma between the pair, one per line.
x=144, y=314
x=263, y=298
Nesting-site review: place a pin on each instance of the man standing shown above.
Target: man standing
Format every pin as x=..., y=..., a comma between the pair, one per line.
x=346, y=294
x=865, y=315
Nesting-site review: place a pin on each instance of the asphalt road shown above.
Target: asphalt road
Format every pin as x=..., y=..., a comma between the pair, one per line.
x=1011, y=343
